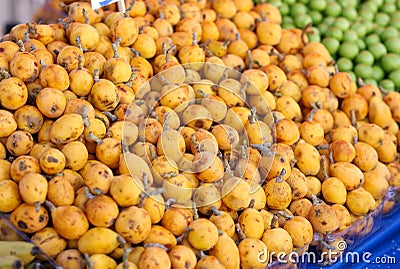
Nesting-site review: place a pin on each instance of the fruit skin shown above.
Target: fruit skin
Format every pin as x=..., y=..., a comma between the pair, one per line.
x=204, y=234
x=10, y=262
x=25, y=251
x=98, y=240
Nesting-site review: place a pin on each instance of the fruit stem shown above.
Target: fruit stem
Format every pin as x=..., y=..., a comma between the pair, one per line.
x=32, y=47
x=153, y=153
x=37, y=206
x=131, y=79
x=240, y=232
x=276, y=119
x=80, y=62
x=169, y=203
x=264, y=149
x=284, y=214
x=63, y=6
x=97, y=191
x=125, y=257
x=79, y=43
x=245, y=85
x=195, y=212
x=226, y=43
x=215, y=211
x=274, y=221
x=87, y=193
x=253, y=115
x=111, y=117
x=26, y=35
x=4, y=74
x=360, y=82
x=250, y=59
x=311, y=114
x=180, y=238
x=95, y=138
x=96, y=75
x=50, y=205
x=293, y=162
x=121, y=240
x=353, y=118
x=85, y=16
x=130, y=7
x=89, y=263
x=251, y=204
x=315, y=200
x=202, y=94
x=21, y=45
x=161, y=15
x=137, y=53
x=325, y=244
x=166, y=124
x=304, y=33
x=355, y=139
x=281, y=175
x=194, y=39
x=115, y=50
x=169, y=174
x=330, y=156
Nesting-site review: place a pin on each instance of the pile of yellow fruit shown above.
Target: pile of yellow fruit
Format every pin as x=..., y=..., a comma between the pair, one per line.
x=184, y=134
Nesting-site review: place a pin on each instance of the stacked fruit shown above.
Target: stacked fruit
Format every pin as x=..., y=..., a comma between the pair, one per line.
x=361, y=35
x=185, y=135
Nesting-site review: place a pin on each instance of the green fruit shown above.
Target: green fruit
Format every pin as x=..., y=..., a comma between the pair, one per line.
x=348, y=50
x=370, y=81
x=329, y=20
x=314, y=36
x=388, y=8
x=370, y=5
x=359, y=28
x=389, y=32
x=395, y=22
x=348, y=3
x=289, y=2
x=350, y=13
x=276, y=3
x=361, y=44
x=323, y=27
x=363, y=71
x=342, y=23
x=332, y=44
x=333, y=9
x=318, y=5
x=301, y=20
x=350, y=35
x=393, y=44
x=287, y=19
x=366, y=14
x=365, y=57
x=378, y=74
x=372, y=38
x=395, y=77
x=284, y=9
x=344, y=64
x=382, y=19
x=377, y=49
x=387, y=85
x=298, y=9
x=316, y=17
x=334, y=32
x=390, y=62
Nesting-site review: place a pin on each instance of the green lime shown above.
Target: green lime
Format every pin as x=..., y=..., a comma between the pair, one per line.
x=323, y=27
x=287, y=19
x=377, y=2
x=378, y=74
x=316, y=17
x=371, y=39
x=342, y=23
x=348, y=50
x=329, y=20
x=301, y=20
x=350, y=35
x=390, y=62
x=298, y=9
x=395, y=22
x=284, y=9
x=305, y=2
x=366, y=14
x=350, y=13
x=395, y=77
x=361, y=44
x=359, y=28
x=387, y=85
x=388, y=8
x=333, y=9
x=369, y=25
x=393, y=44
x=288, y=26
x=289, y=2
x=363, y=71
x=276, y=3
x=348, y=3
x=314, y=35
x=382, y=19
x=318, y=5
x=365, y=57
x=370, y=5
x=332, y=44
x=344, y=64
x=377, y=49
x=334, y=32
x=389, y=32
x=370, y=81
